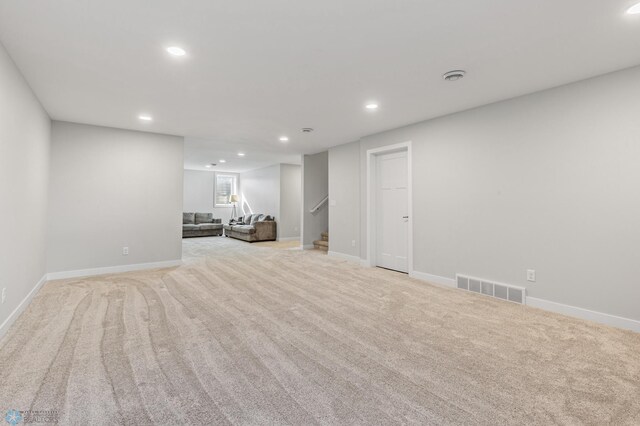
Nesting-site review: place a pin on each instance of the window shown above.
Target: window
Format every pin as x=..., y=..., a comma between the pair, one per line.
x=225, y=186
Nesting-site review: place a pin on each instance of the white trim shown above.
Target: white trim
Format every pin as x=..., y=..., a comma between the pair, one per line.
x=343, y=256
x=21, y=306
x=404, y=146
x=586, y=314
x=307, y=247
x=112, y=269
x=289, y=239
x=434, y=279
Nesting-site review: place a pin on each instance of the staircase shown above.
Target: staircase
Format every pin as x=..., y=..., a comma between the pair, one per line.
x=322, y=244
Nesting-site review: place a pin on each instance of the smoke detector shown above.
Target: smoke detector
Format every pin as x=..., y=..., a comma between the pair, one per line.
x=307, y=130
x=454, y=75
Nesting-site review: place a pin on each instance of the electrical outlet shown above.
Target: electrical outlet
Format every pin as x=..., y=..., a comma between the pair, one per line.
x=125, y=251
x=531, y=275
x=353, y=243
x=4, y=294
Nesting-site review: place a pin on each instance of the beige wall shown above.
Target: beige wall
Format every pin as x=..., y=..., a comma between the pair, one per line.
x=547, y=181
x=109, y=189
x=344, y=199
x=24, y=164
x=290, y=201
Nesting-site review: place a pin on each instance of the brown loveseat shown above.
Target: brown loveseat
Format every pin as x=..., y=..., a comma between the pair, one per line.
x=200, y=225
x=252, y=228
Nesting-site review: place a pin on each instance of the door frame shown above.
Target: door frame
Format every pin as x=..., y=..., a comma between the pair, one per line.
x=371, y=201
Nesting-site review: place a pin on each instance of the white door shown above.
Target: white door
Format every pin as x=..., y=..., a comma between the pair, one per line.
x=392, y=211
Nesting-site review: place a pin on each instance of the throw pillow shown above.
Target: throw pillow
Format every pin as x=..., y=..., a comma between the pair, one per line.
x=188, y=218
x=256, y=218
x=204, y=218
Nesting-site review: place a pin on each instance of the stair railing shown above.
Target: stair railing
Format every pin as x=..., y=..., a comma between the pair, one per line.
x=317, y=206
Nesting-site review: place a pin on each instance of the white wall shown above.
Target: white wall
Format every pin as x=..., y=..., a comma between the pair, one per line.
x=344, y=199
x=260, y=189
x=198, y=195
x=111, y=188
x=290, y=201
x=24, y=165
x=547, y=181
x=274, y=190
x=315, y=184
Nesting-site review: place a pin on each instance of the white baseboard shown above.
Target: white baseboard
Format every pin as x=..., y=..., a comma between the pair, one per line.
x=348, y=257
x=559, y=308
x=435, y=279
x=289, y=239
x=573, y=311
x=112, y=269
x=21, y=306
x=307, y=247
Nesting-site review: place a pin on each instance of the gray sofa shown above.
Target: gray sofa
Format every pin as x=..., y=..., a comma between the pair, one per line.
x=252, y=228
x=200, y=225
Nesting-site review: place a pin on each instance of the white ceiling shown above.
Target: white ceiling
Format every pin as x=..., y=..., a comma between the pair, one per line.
x=259, y=69
x=200, y=152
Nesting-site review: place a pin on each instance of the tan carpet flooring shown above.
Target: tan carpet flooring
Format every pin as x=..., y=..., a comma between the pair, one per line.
x=246, y=335
x=285, y=245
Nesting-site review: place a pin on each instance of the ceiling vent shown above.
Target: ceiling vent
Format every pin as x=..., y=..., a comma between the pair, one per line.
x=454, y=75
x=307, y=130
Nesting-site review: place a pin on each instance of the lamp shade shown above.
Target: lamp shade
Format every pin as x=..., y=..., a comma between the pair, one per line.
x=233, y=198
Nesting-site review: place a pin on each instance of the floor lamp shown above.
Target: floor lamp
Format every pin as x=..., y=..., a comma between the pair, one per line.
x=234, y=199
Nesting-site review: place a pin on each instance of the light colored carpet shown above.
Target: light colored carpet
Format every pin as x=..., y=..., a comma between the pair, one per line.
x=248, y=335
x=285, y=245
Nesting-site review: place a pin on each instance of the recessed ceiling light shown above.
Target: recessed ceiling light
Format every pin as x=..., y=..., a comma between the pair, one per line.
x=371, y=106
x=176, y=51
x=222, y=161
x=208, y=166
x=454, y=75
x=241, y=154
x=145, y=117
x=634, y=10
x=284, y=139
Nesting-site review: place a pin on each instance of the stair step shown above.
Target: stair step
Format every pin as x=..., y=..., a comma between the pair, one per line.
x=321, y=248
x=321, y=243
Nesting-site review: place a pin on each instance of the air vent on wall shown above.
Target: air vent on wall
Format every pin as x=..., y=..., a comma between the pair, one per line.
x=489, y=288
